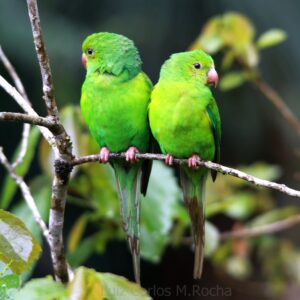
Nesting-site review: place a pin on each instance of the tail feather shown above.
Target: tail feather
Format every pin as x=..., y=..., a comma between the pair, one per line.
x=129, y=183
x=193, y=193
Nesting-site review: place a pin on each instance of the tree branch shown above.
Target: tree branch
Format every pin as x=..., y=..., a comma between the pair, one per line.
x=278, y=102
x=260, y=230
x=64, y=156
x=26, y=194
x=42, y=58
x=30, y=119
x=208, y=164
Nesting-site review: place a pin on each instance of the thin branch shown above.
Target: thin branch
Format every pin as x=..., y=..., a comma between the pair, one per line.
x=279, y=103
x=34, y=120
x=263, y=229
x=20, y=87
x=28, y=109
x=42, y=58
x=208, y=164
x=246, y=233
x=13, y=74
x=24, y=145
x=27, y=195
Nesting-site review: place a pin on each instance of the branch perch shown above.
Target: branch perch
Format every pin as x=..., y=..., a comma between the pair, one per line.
x=208, y=164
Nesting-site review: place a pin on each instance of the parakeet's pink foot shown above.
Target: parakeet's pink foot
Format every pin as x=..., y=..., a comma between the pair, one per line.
x=169, y=159
x=104, y=155
x=193, y=161
x=131, y=154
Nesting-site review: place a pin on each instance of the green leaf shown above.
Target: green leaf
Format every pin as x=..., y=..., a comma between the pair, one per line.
x=271, y=38
x=117, y=287
x=42, y=289
x=273, y=216
x=9, y=285
x=158, y=209
x=85, y=285
x=18, y=248
x=237, y=31
x=250, y=56
x=238, y=267
x=232, y=80
x=231, y=31
x=85, y=249
x=263, y=170
x=76, y=232
x=212, y=238
x=228, y=59
x=41, y=192
x=240, y=205
x=210, y=39
x=9, y=186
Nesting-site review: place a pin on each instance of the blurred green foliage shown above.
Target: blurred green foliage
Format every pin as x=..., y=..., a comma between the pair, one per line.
x=87, y=284
x=233, y=34
x=165, y=221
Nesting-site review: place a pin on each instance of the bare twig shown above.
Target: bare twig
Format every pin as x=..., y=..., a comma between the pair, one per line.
x=208, y=164
x=28, y=109
x=23, y=118
x=13, y=74
x=62, y=159
x=26, y=194
x=250, y=232
x=278, y=102
x=263, y=229
x=19, y=85
x=24, y=145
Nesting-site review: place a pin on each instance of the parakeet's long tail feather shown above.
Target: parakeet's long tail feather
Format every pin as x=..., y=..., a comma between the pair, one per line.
x=193, y=193
x=129, y=184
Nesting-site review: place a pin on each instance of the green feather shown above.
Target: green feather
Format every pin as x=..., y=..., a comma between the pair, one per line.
x=112, y=53
x=114, y=101
x=185, y=121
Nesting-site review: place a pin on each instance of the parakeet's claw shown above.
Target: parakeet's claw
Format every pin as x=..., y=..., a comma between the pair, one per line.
x=193, y=161
x=104, y=155
x=131, y=154
x=169, y=159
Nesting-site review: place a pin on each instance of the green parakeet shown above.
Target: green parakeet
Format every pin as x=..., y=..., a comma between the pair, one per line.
x=114, y=101
x=184, y=119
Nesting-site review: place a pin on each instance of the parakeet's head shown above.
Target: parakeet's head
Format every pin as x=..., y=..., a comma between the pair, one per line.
x=110, y=53
x=191, y=66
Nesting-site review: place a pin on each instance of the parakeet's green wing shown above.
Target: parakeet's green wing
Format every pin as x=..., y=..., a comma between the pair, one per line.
x=214, y=117
x=114, y=102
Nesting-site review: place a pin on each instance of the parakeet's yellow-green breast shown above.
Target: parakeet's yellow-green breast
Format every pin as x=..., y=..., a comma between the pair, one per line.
x=115, y=93
x=114, y=101
x=185, y=121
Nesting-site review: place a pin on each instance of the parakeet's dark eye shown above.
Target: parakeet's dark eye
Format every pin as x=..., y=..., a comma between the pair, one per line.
x=90, y=51
x=197, y=66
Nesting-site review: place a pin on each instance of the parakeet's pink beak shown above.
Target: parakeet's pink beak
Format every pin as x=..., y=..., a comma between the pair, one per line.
x=83, y=60
x=212, y=77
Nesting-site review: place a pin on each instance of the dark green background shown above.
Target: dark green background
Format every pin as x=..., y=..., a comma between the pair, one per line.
x=252, y=129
